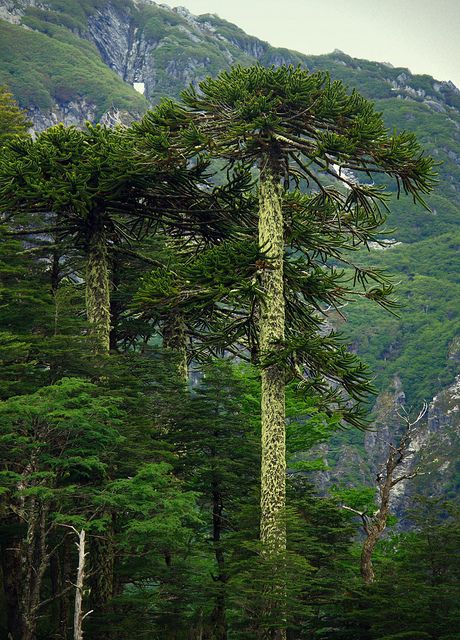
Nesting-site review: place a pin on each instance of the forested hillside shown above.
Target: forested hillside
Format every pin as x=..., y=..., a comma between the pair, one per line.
x=154, y=313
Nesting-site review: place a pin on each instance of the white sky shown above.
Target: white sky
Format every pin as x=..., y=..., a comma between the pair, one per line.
x=423, y=35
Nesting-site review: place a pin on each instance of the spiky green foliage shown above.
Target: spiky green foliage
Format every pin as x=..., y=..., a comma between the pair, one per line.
x=318, y=130
x=96, y=180
x=311, y=120
x=85, y=179
x=91, y=191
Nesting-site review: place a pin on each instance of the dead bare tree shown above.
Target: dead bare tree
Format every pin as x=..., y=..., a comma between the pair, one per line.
x=79, y=616
x=391, y=474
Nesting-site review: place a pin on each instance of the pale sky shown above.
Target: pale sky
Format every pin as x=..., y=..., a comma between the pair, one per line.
x=423, y=35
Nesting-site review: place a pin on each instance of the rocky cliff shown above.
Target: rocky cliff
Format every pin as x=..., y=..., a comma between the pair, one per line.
x=161, y=50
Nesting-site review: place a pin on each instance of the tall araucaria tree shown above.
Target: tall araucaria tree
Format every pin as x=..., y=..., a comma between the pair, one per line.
x=221, y=212
x=300, y=129
x=86, y=190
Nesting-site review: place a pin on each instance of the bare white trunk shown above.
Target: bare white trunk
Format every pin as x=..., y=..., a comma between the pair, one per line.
x=78, y=612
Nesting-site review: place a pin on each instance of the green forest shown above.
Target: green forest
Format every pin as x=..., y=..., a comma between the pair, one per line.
x=174, y=354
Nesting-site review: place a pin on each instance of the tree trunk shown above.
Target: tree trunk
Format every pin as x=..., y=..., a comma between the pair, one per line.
x=78, y=610
x=376, y=525
x=115, y=305
x=102, y=580
x=34, y=563
x=374, y=529
x=174, y=339
x=98, y=292
x=218, y=617
x=271, y=334
x=11, y=574
x=98, y=314
x=64, y=579
x=367, y=569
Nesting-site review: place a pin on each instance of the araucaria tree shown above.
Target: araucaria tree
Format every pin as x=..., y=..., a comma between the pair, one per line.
x=311, y=141
x=84, y=190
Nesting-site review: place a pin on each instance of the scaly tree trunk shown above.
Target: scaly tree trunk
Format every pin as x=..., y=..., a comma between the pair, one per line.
x=98, y=314
x=271, y=334
x=115, y=305
x=174, y=338
x=98, y=292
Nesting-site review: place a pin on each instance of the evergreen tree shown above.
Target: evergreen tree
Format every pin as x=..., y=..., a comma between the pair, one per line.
x=302, y=128
x=13, y=121
x=53, y=444
x=82, y=187
x=218, y=458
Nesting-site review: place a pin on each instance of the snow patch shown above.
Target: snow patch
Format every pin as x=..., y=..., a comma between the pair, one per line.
x=139, y=87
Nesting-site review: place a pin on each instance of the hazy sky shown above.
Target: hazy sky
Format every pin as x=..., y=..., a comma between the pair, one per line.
x=423, y=35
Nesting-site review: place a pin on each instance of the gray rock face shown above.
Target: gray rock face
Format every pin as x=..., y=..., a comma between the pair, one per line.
x=122, y=45
x=15, y=8
x=112, y=33
x=436, y=448
x=387, y=425
x=125, y=48
x=72, y=113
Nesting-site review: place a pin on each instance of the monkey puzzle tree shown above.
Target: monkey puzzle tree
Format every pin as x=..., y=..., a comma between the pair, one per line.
x=220, y=212
x=77, y=187
x=86, y=191
x=302, y=130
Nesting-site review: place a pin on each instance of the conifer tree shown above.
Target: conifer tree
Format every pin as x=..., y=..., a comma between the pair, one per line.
x=218, y=458
x=13, y=121
x=51, y=442
x=299, y=127
x=95, y=191
x=218, y=213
